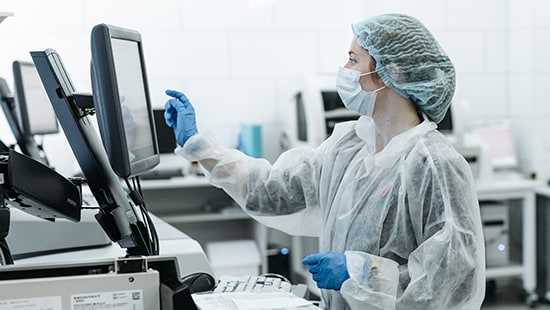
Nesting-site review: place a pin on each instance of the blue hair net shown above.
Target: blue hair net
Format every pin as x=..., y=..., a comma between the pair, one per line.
x=410, y=61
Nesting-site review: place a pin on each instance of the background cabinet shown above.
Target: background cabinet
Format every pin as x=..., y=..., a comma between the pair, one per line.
x=519, y=193
x=205, y=213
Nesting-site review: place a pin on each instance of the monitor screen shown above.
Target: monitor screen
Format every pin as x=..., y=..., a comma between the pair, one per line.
x=446, y=124
x=34, y=110
x=166, y=138
x=26, y=143
x=118, y=214
x=121, y=99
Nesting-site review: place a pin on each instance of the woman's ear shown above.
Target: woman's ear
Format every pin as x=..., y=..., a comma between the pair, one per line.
x=394, y=71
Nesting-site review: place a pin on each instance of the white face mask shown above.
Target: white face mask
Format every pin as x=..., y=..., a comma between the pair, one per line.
x=352, y=94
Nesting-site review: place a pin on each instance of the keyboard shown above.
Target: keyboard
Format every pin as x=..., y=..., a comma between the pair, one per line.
x=252, y=284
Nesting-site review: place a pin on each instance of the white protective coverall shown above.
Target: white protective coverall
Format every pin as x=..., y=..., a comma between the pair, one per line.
x=407, y=218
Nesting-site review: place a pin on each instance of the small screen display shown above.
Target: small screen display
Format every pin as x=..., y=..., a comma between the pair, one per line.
x=133, y=100
x=40, y=113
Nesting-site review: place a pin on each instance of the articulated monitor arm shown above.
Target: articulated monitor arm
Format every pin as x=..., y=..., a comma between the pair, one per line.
x=36, y=189
x=5, y=254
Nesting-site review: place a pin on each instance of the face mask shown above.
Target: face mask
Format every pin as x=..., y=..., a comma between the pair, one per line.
x=351, y=93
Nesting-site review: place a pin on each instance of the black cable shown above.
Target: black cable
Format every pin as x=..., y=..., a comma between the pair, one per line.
x=146, y=240
x=152, y=238
x=152, y=229
x=5, y=254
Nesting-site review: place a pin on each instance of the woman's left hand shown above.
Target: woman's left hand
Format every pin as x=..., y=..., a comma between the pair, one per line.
x=328, y=269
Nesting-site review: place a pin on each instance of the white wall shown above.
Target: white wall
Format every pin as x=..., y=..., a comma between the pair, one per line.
x=233, y=58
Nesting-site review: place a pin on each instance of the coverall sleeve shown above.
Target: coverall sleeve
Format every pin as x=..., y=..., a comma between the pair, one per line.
x=282, y=196
x=447, y=269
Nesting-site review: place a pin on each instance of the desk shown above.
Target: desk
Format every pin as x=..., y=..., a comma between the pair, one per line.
x=190, y=256
x=69, y=275
x=514, y=187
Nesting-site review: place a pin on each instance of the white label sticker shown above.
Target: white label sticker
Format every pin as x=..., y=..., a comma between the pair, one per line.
x=120, y=300
x=37, y=303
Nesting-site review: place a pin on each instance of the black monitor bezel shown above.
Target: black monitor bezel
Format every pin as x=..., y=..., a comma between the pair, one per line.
x=22, y=102
x=107, y=101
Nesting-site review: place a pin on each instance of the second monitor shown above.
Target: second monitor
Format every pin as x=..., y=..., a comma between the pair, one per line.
x=121, y=99
x=34, y=111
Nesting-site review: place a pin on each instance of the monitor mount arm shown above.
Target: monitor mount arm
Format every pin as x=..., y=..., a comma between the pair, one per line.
x=36, y=189
x=5, y=254
x=84, y=102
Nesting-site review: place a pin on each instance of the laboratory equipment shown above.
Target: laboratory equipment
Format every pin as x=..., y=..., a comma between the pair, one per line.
x=446, y=124
x=38, y=190
x=314, y=108
x=34, y=111
x=33, y=187
x=25, y=140
x=32, y=237
x=117, y=213
x=122, y=283
x=494, y=217
x=121, y=100
x=165, y=135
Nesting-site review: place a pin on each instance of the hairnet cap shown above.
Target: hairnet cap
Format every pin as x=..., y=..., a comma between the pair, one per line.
x=410, y=61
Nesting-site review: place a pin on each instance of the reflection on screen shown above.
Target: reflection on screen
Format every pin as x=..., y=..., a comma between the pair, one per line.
x=41, y=115
x=133, y=99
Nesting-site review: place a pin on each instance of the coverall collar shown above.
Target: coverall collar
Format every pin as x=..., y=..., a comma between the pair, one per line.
x=394, y=149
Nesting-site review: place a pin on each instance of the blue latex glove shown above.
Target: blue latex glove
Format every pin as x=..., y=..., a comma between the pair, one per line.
x=180, y=115
x=328, y=269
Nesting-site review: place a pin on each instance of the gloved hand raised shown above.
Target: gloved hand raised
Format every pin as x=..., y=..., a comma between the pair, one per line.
x=180, y=115
x=328, y=269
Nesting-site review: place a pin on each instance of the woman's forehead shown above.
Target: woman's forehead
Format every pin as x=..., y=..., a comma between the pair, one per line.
x=357, y=49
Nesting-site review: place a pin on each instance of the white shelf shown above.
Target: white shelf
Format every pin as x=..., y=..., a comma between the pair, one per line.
x=205, y=217
x=184, y=210
x=515, y=187
x=180, y=182
x=504, y=271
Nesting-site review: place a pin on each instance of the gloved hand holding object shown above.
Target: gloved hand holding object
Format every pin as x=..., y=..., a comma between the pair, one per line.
x=180, y=115
x=328, y=269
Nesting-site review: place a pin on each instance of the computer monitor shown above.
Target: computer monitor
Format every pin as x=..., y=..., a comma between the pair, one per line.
x=166, y=138
x=118, y=213
x=26, y=142
x=315, y=108
x=121, y=100
x=446, y=124
x=35, y=114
